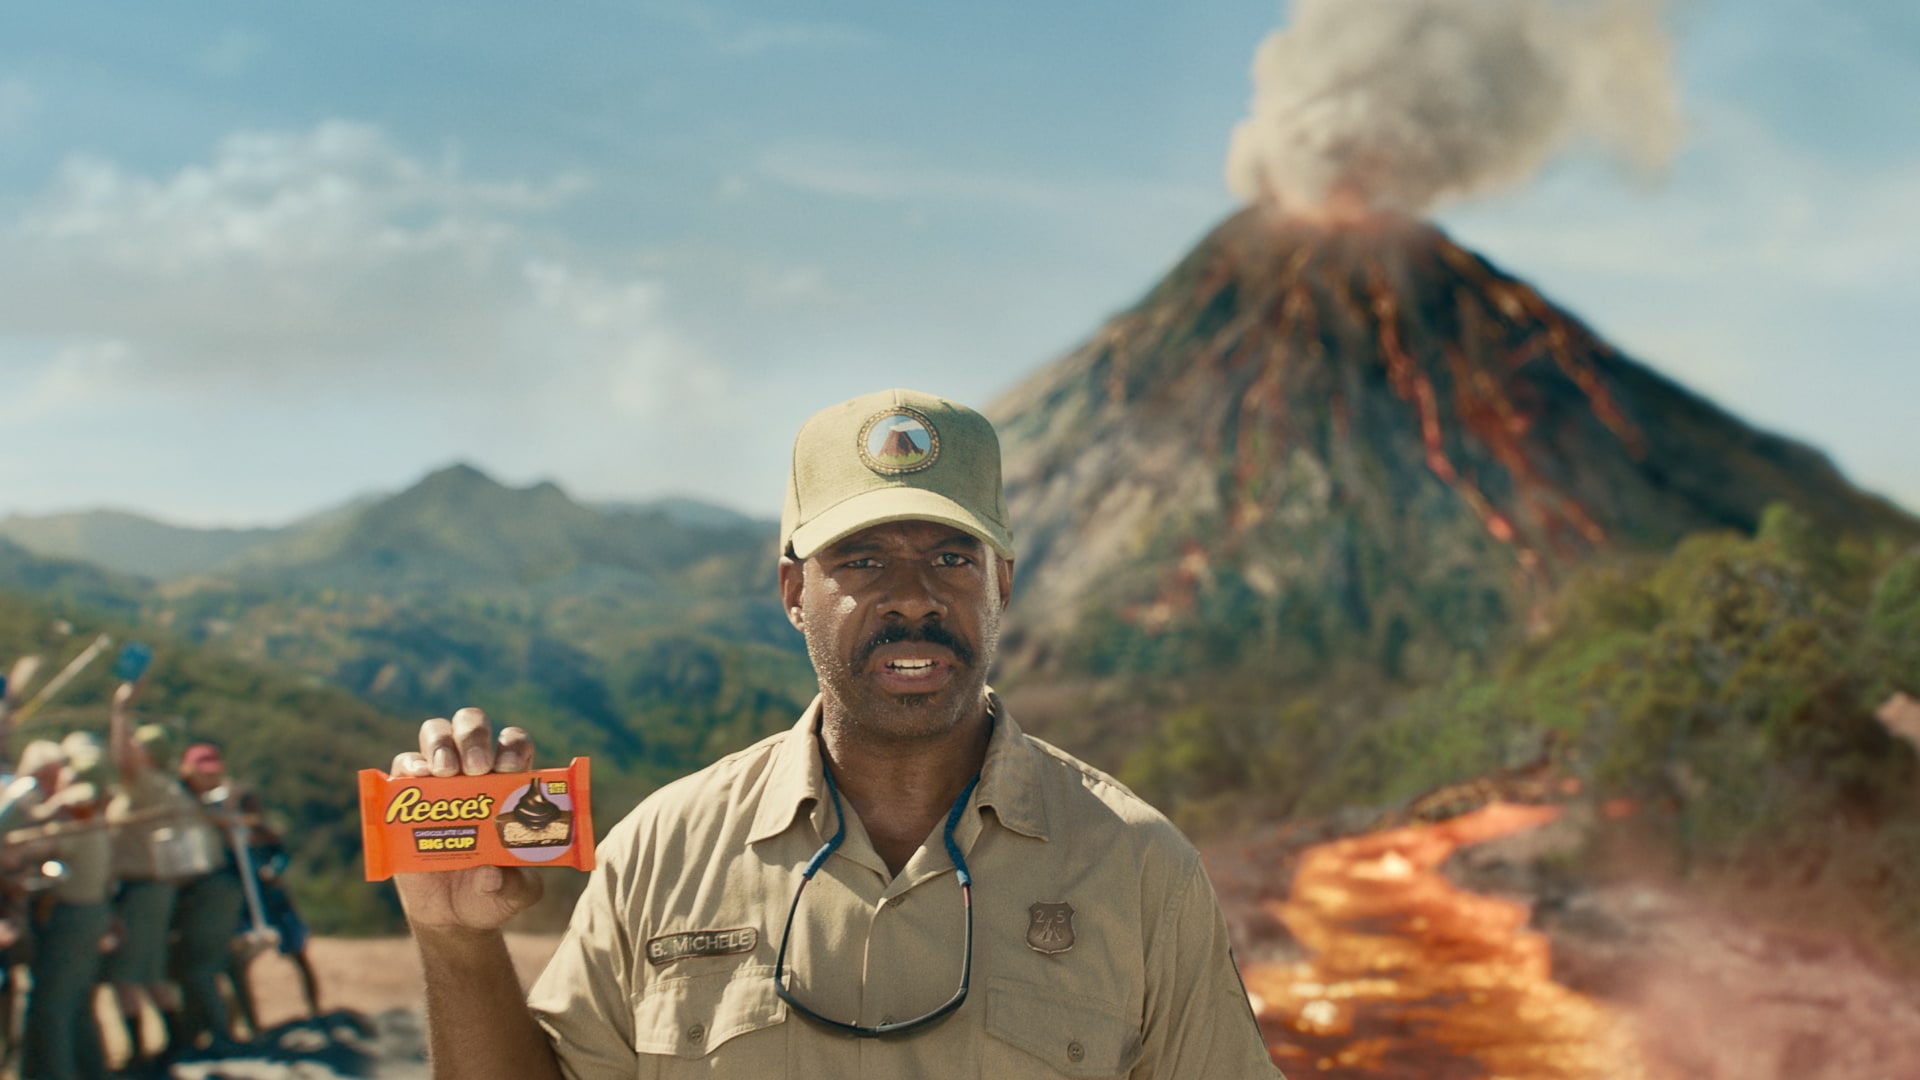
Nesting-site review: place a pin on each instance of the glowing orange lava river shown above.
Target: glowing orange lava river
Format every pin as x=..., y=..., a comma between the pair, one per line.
x=1411, y=977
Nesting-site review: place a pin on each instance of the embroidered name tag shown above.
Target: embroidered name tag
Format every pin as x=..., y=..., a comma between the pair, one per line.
x=701, y=943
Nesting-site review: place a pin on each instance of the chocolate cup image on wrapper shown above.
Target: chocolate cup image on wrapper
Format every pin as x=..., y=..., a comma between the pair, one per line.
x=534, y=820
x=415, y=824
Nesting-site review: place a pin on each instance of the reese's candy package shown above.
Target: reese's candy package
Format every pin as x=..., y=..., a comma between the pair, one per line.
x=537, y=818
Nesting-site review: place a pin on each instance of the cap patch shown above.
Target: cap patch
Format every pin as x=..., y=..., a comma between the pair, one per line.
x=899, y=440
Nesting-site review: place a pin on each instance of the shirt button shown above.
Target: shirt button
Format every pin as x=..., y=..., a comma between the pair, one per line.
x=1075, y=1052
x=697, y=1033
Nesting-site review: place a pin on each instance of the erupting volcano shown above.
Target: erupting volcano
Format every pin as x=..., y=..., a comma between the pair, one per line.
x=1318, y=442
x=1332, y=435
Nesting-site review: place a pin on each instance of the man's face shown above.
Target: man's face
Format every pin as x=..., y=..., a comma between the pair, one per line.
x=902, y=621
x=203, y=776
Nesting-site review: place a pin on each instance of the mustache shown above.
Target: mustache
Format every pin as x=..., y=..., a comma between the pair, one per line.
x=931, y=633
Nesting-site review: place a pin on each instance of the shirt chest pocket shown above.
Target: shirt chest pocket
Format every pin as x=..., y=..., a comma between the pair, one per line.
x=689, y=1026
x=1036, y=1031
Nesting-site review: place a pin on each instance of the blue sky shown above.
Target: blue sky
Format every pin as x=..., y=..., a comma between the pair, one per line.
x=257, y=260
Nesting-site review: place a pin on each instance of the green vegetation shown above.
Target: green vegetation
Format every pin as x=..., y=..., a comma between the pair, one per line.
x=1728, y=687
x=651, y=641
x=667, y=705
x=295, y=739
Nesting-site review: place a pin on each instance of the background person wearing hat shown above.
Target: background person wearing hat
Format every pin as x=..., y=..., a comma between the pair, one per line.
x=268, y=858
x=159, y=842
x=208, y=908
x=40, y=765
x=62, y=1040
x=39, y=775
x=904, y=865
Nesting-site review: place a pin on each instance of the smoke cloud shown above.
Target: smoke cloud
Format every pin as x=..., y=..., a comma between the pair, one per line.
x=1401, y=104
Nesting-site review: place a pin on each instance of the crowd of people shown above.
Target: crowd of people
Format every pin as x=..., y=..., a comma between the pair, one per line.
x=135, y=869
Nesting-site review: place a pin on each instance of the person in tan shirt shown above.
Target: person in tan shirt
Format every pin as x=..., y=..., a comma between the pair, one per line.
x=62, y=1041
x=904, y=884
x=161, y=841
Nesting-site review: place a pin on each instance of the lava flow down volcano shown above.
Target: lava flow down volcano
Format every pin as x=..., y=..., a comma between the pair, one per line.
x=1332, y=435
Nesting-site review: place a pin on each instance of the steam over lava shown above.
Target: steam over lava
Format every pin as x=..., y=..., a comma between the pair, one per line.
x=1362, y=105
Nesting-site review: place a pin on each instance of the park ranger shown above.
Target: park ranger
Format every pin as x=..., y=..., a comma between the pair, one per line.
x=902, y=885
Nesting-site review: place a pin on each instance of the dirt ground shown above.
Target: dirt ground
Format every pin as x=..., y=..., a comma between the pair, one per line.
x=369, y=975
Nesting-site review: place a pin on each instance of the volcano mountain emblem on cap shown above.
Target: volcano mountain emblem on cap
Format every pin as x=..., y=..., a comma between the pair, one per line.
x=898, y=441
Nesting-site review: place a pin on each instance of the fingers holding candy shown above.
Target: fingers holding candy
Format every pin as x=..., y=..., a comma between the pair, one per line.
x=465, y=746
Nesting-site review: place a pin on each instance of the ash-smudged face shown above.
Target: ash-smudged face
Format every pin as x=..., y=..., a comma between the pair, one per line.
x=902, y=621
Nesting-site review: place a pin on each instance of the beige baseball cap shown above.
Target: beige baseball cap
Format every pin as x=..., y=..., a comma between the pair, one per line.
x=898, y=455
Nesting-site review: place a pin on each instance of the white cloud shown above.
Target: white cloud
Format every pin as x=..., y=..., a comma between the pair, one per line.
x=325, y=260
x=1743, y=204
x=235, y=52
x=872, y=174
x=732, y=34
x=341, y=192
x=74, y=378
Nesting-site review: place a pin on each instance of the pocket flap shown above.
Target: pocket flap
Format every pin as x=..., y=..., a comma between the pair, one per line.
x=1074, y=1035
x=689, y=1017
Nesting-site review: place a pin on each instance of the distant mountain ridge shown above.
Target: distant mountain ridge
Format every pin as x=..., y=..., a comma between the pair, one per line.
x=456, y=523
x=130, y=543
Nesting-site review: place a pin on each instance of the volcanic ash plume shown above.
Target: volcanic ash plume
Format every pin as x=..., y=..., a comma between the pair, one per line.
x=1361, y=105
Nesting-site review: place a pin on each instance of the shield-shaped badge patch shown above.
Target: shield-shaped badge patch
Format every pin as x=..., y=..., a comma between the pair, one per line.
x=1050, y=928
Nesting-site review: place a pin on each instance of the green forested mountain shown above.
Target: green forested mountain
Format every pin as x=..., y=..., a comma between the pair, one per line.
x=647, y=637
x=70, y=582
x=140, y=546
x=128, y=543
x=627, y=634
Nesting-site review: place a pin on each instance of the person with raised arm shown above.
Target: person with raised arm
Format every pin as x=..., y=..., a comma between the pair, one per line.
x=159, y=843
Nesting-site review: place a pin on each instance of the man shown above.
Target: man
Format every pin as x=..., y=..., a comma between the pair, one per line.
x=904, y=866
x=62, y=1040
x=21, y=802
x=268, y=858
x=40, y=767
x=207, y=909
x=160, y=842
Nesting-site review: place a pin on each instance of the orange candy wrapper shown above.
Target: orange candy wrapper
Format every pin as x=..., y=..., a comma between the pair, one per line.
x=538, y=818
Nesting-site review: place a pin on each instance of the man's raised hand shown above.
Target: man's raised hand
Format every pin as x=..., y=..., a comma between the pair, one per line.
x=480, y=898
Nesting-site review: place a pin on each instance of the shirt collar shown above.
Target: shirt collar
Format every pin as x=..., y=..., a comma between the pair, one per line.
x=1010, y=780
x=1010, y=776
x=795, y=778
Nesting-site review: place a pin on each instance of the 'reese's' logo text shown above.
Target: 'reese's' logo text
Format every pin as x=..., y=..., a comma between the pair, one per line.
x=408, y=806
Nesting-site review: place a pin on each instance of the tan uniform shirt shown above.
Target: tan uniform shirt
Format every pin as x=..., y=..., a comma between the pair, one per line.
x=1099, y=949
x=88, y=855
x=169, y=839
x=18, y=801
